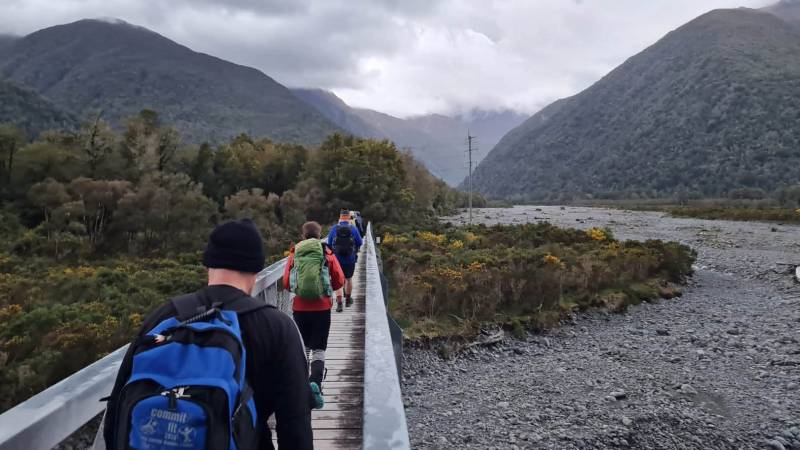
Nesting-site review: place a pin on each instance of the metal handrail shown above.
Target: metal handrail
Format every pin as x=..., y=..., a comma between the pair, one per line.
x=384, y=414
x=52, y=415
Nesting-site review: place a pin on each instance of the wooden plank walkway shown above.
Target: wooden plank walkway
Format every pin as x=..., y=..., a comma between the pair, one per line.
x=339, y=424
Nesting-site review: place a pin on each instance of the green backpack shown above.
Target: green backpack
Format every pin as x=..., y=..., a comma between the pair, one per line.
x=309, y=277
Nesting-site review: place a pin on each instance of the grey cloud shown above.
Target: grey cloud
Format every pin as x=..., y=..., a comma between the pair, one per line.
x=271, y=7
x=402, y=56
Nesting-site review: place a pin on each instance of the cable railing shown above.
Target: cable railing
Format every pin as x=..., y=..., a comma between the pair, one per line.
x=51, y=416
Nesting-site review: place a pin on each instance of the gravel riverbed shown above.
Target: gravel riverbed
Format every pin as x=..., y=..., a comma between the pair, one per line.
x=718, y=368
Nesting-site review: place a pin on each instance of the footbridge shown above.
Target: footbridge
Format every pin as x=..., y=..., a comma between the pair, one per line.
x=363, y=404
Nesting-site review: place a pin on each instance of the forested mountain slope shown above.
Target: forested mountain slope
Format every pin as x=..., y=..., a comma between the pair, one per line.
x=711, y=107
x=120, y=69
x=30, y=112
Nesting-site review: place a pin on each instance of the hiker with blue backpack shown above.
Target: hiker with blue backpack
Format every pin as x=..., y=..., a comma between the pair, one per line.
x=207, y=369
x=313, y=275
x=345, y=240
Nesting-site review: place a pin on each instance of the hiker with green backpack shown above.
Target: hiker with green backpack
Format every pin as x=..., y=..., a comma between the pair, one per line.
x=313, y=274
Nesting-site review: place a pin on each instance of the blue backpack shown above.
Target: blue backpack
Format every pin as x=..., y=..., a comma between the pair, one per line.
x=187, y=389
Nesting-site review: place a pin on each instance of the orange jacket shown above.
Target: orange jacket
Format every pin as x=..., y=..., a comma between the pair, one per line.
x=316, y=304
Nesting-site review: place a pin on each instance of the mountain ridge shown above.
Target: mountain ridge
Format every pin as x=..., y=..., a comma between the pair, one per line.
x=706, y=109
x=121, y=68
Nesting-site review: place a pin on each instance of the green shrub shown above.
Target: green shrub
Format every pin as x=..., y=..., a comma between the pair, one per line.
x=494, y=274
x=56, y=319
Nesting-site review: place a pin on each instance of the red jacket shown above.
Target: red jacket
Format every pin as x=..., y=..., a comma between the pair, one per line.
x=316, y=304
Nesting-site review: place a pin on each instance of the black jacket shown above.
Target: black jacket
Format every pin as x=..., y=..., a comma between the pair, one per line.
x=276, y=370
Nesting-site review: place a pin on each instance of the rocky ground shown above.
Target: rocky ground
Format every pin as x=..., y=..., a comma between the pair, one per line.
x=718, y=368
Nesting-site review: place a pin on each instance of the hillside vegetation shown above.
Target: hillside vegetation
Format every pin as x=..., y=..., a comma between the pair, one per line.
x=118, y=69
x=98, y=227
x=30, y=112
x=710, y=108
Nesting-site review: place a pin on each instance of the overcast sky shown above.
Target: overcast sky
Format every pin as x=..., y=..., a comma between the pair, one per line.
x=403, y=57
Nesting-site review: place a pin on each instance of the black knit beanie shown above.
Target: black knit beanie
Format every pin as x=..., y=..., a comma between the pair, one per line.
x=235, y=245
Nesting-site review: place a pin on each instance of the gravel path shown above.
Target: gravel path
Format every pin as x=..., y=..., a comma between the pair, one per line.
x=718, y=368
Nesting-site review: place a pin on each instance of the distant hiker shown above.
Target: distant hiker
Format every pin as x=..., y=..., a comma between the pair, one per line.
x=359, y=222
x=186, y=382
x=313, y=274
x=345, y=240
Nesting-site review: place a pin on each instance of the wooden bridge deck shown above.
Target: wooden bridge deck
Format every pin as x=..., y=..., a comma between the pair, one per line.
x=339, y=424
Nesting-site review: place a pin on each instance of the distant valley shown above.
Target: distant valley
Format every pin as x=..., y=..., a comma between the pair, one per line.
x=439, y=141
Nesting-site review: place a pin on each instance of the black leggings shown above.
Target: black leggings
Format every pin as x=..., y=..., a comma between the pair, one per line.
x=314, y=327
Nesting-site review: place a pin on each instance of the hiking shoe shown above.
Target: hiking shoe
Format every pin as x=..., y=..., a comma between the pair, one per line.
x=339, y=307
x=319, y=401
x=348, y=301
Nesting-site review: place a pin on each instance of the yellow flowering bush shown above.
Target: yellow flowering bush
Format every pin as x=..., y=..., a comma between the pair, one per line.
x=476, y=267
x=553, y=260
x=59, y=318
x=597, y=234
x=432, y=238
x=448, y=274
x=9, y=311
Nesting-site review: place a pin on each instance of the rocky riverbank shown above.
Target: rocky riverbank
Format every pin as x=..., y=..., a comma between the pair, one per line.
x=717, y=368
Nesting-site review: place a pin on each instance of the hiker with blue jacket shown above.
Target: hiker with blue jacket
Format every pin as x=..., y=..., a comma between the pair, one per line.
x=209, y=368
x=345, y=240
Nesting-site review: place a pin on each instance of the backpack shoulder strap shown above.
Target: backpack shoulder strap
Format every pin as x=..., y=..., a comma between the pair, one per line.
x=244, y=304
x=189, y=305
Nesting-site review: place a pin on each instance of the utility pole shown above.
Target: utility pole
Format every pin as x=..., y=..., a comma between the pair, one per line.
x=469, y=150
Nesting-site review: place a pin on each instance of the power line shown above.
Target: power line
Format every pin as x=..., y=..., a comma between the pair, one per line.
x=469, y=149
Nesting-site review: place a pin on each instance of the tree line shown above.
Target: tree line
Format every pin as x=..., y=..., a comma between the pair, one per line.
x=140, y=190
